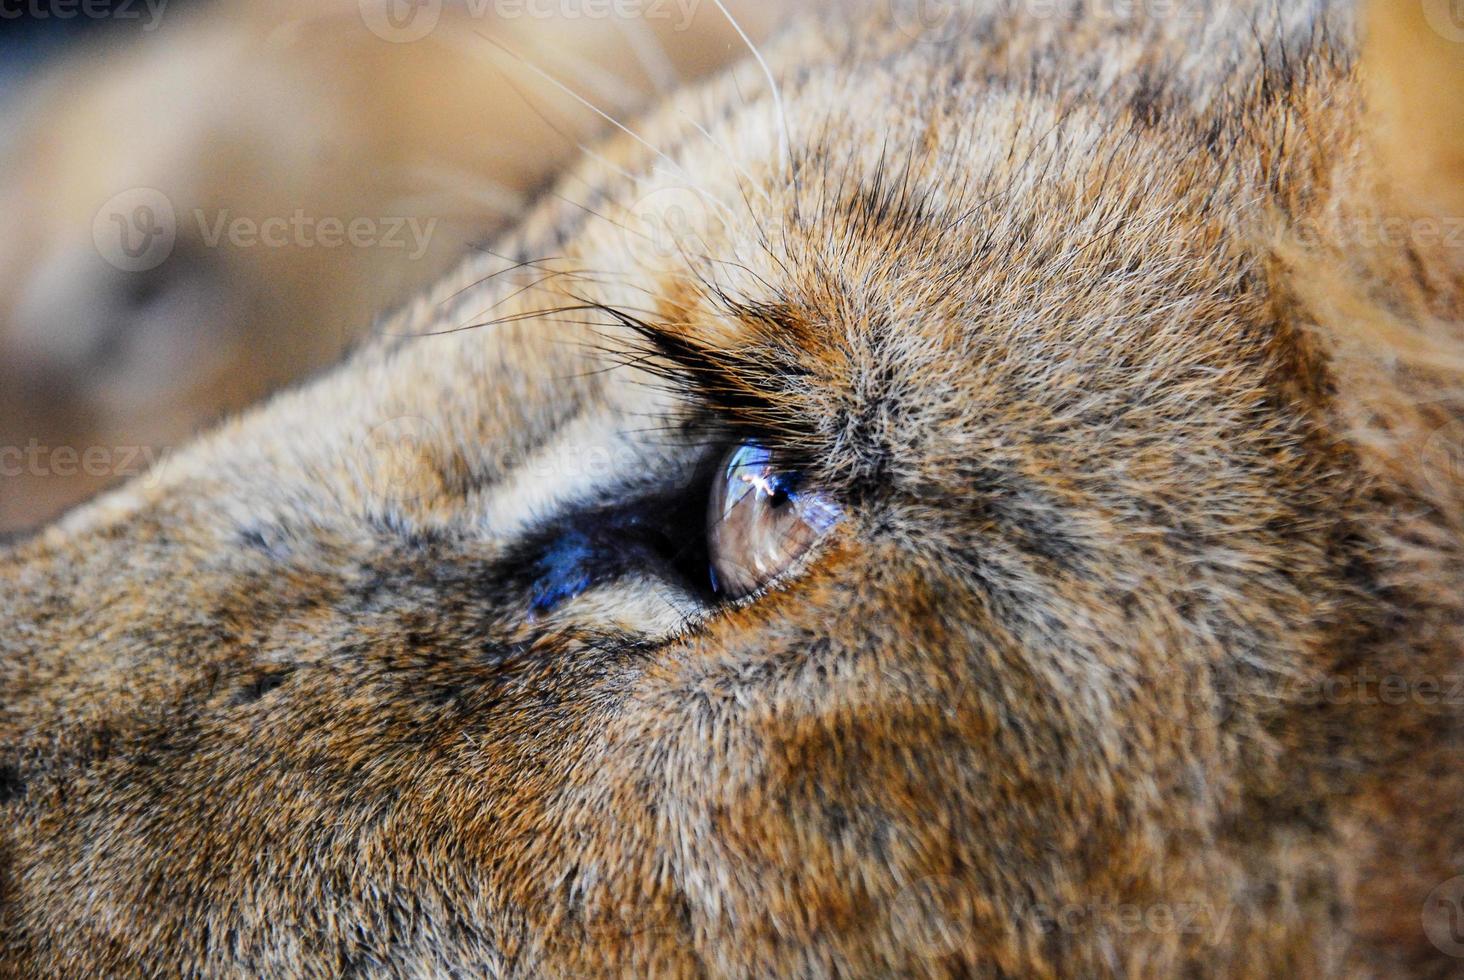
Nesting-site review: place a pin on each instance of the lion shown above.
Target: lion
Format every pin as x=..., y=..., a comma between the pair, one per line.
x=969, y=495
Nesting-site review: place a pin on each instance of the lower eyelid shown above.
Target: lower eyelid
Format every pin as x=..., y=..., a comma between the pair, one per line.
x=649, y=607
x=658, y=537
x=565, y=574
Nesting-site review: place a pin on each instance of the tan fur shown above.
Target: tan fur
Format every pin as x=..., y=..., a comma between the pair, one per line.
x=1071, y=314
x=259, y=111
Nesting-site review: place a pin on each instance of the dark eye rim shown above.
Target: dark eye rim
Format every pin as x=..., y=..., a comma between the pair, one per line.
x=658, y=527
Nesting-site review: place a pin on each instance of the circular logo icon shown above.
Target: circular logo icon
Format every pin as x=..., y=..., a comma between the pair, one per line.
x=1446, y=17
x=1443, y=917
x=1210, y=697
x=675, y=225
x=934, y=21
x=401, y=21
x=1443, y=458
x=396, y=460
x=137, y=230
x=934, y=916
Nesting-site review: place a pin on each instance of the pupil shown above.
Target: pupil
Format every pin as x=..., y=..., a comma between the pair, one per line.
x=782, y=487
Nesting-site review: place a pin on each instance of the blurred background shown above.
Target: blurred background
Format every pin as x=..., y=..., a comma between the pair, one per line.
x=209, y=200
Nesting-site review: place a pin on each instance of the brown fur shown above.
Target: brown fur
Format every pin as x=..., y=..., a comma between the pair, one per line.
x=1136, y=437
x=257, y=110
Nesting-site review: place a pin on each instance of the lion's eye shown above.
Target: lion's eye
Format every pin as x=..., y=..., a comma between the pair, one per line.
x=761, y=521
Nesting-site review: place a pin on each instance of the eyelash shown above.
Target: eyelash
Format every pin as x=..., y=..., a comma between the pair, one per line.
x=737, y=395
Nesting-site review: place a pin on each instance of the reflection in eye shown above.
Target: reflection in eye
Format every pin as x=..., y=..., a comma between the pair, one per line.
x=761, y=521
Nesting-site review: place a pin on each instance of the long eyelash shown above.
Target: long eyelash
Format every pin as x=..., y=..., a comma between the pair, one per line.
x=742, y=395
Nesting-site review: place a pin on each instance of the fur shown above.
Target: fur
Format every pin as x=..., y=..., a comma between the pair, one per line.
x=1132, y=429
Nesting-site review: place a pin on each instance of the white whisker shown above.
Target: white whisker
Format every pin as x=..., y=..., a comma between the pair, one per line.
x=650, y=53
x=729, y=155
x=621, y=92
x=784, y=138
x=580, y=99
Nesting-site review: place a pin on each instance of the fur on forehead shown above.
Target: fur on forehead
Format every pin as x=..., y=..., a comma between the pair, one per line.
x=880, y=303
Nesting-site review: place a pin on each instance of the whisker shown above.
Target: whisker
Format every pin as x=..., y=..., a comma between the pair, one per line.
x=537, y=284
x=580, y=99
x=571, y=140
x=600, y=79
x=650, y=53
x=513, y=267
x=785, y=142
x=728, y=155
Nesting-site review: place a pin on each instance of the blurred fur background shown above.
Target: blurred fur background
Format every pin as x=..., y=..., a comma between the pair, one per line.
x=208, y=201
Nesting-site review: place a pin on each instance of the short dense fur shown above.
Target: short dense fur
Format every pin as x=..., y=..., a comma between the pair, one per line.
x=1132, y=433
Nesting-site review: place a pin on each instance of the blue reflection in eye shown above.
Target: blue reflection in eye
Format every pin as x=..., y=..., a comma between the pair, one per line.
x=763, y=520
x=747, y=471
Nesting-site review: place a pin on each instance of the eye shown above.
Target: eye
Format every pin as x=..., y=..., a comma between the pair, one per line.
x=762, y=521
